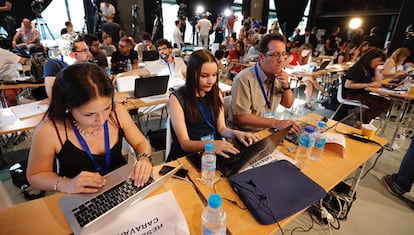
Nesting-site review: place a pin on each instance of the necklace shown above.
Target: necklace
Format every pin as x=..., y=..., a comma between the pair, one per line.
x=94, y=132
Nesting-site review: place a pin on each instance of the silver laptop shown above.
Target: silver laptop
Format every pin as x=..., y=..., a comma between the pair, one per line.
x=82, y=210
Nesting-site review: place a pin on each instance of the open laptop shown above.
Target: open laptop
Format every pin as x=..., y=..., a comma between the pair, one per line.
x=150, y=86
x=150, y=55
x=323, y=65
x=248, y=156
x=121, y=194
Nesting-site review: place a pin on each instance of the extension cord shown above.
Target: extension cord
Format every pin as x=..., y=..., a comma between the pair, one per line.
x=326, y=215
x=359, y=137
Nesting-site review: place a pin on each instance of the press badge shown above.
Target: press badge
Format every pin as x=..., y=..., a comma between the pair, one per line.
x=207, y=137
x=269, y=115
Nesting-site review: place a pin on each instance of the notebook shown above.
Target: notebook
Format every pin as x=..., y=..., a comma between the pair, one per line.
x=248, y=156
x=119, y=191
x=29, y=109
x=150, y=55
x=275, y=191
x=150, y=86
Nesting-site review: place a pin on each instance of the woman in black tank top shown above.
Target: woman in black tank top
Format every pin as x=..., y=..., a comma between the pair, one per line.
x=83, y=128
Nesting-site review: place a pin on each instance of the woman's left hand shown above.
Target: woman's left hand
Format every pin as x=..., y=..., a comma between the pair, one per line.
x=246, y=138
x=141, y=171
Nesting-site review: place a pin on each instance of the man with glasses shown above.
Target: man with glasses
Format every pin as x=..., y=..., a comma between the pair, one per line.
x=124, y=55
x=98, y=56
x=73, y=50
x=258, y=90
x=167, y=64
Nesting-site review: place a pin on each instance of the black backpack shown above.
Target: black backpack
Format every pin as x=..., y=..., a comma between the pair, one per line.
x=37, y=60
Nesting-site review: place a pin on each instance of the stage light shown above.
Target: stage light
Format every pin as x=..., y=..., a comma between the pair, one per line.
x=355, y=23
x=199, y=9
x=227, y=12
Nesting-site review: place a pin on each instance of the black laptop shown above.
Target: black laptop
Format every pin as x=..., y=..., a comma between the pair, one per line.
x=150, y=55
x=324, y=64
x=150, y=86
x=248, y=156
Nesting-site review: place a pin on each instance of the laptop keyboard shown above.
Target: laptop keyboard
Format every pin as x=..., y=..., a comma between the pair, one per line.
x=92, y=209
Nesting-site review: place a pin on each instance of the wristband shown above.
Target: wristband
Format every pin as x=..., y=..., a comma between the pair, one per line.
x=146, y=155
x=286, y=88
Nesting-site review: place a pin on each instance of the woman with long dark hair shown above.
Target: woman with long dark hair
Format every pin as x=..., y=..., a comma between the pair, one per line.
x=197, y=111
x=364, y=74
x=83, y=129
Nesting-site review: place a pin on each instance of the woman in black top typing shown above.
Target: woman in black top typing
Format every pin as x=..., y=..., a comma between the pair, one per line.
x=364, y=74
x=83, y=129
x=197, y=111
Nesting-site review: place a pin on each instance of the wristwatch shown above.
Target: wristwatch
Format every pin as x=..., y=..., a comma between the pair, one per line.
x=285, y=88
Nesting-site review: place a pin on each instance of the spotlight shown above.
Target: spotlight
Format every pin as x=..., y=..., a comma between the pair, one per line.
x=227, y=12
x=199, y=9
x=355, y=23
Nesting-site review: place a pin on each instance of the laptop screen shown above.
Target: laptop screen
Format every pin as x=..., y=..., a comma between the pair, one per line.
x=150, y=55
x=150, y=86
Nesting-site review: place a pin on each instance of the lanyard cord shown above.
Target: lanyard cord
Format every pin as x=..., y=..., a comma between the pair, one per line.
x=88, y=151
x=203, y=114
x=262, y=87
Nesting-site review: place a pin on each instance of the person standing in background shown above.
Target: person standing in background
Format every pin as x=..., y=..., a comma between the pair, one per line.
x=330, y=42
x=112, y=28
x=219, y=29
x=7, y=18
x=106, y=9
x=203, y=27
x=177, y=37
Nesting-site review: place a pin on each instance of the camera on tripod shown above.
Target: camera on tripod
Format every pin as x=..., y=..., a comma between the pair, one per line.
x=37, y=8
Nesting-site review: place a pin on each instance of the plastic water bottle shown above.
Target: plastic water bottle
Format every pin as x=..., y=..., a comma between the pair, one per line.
x=208, y=165
x=320, y=140
x=306, y=142
x=214, y=217
x=129, y=65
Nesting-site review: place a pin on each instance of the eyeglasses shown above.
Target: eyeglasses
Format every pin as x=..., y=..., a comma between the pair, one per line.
x=277, y=55
x=83, y=50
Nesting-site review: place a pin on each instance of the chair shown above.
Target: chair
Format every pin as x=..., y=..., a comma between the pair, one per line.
x=228, y=115
x=342, y=101
x=168, y=138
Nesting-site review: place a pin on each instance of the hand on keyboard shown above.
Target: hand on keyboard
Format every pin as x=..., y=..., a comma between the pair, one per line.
x=141, y=171
x=85, y=182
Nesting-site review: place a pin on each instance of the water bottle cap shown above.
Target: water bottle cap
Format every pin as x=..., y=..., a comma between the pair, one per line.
x=214, y=201
x=321, y=124
x=209, y=146
x=309, y=129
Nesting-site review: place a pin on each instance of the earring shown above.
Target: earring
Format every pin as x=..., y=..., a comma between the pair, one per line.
x=67, y=111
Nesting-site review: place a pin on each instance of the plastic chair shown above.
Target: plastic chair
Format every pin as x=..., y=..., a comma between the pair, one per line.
x=342, y=101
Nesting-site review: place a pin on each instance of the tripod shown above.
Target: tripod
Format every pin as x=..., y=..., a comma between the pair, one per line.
x=41, y=23
x=135, y=23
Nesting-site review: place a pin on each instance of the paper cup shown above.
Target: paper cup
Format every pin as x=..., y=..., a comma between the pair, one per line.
x=368, y=130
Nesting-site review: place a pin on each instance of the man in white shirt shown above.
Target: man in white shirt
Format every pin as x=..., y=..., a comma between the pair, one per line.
x=106, y=9
x=167, y=64
x=177, y=37
x=9, y=65
x=203, y=27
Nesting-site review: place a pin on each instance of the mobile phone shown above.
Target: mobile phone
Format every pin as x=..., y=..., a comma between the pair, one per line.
x=180, y=173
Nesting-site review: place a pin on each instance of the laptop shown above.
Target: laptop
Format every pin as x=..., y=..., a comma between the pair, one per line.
x=150, y=55
x=76, y=207
x=324, y=64
x=151, y=86
x=248, y=156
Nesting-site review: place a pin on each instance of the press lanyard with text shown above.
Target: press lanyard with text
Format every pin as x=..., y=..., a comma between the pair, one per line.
x=263, y=89
x=88, y=151
x=204, y=115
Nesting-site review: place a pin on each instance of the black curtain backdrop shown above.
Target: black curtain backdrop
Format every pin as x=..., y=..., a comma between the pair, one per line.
x=265, y=14
x=289, y=14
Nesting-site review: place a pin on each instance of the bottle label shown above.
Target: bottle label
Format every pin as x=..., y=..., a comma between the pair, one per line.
x=216, y=231
x=320, y=143
x=306, y=142
x=208, y=163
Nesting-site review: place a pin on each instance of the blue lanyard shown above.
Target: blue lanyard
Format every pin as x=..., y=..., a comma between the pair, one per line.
x=169, y=68
x=203, y=114
x=88, y=151
x=262, y=87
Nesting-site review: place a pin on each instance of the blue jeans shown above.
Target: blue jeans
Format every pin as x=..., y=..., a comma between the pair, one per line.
x=405, y=177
